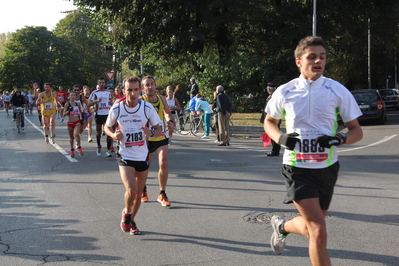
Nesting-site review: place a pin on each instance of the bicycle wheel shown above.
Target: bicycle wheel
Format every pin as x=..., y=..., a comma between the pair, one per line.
x=182, y=125
x=231, y=128
x=18, y=121
x=197, y=126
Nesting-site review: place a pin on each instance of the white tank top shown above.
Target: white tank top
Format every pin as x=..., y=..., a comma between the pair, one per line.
x=171, y=103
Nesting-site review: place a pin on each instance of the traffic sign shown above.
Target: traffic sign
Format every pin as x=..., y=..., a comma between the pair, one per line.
x=110, y=75
x=110, y=84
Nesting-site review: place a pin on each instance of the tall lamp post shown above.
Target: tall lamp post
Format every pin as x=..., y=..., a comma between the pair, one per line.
x=314, y=18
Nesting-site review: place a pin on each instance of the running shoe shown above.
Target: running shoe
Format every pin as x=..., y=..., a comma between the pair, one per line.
x=205, y=137
x=126, y=221
x=277, y=241
x=90, y=139
x=163, y=199
x=72, y=153
x=80, y=151
x=108, y=154
x=13, y=120
x=46, y=140
x=52, y=140
x=144, y=196
x=22, y=128
x=62, y=119
x=98, y=151
x=133, y=229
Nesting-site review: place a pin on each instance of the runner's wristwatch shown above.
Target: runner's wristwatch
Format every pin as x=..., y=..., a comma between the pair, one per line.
x=342, y=136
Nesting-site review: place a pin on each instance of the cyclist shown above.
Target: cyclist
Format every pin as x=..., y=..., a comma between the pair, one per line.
x=17, y=100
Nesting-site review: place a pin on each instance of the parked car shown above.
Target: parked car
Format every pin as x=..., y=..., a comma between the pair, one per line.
x=390, y=98
x=372, y=106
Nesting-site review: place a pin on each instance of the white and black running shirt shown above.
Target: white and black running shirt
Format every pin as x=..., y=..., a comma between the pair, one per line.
x=103, y=107
x=311, y=109
x=133, y=146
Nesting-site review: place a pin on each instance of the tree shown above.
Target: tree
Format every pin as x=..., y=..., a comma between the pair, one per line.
x=92, y=60
x=34, y=54
x=244, y=44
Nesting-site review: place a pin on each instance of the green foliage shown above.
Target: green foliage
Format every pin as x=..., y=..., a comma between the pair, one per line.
x=90, y=61
x=33, y=54
x=239, y=44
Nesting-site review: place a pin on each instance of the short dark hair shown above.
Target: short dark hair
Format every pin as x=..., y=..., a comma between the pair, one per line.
x=309, y=41
x=130, y=80
x=148, y=77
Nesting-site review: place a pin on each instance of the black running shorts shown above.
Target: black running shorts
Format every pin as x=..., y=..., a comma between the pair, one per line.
x=101, y=119
x=305, y=183
x=139, y=166
x=154, y=145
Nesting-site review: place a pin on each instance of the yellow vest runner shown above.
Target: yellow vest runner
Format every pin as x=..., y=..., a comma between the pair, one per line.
x=159, y=107
x=48, y=108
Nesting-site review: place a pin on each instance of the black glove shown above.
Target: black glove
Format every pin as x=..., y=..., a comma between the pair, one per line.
x=328, y=141
x=288, y=141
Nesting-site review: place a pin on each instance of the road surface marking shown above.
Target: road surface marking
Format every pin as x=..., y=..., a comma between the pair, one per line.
x=61, y=150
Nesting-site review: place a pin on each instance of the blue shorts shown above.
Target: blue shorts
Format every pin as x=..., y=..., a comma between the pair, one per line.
x=87, y=115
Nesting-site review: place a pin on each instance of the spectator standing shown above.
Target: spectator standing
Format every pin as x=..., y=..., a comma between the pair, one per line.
x=310, y=163
x=223, y=108
x=202, y=105
x=194, y=88
x=183, y=98
x=271, y=87
x=173, y=105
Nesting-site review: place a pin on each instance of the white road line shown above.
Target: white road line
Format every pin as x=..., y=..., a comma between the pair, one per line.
x=384, y=139
x=61, y=150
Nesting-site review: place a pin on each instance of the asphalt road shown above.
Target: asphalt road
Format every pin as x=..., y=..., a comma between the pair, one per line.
x=58, y=211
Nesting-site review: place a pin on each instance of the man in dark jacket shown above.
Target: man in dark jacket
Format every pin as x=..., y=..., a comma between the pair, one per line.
x=194, y=88
x=17, y=100
x=223, y=109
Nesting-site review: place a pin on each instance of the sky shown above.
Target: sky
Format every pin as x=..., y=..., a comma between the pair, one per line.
x=16, y=14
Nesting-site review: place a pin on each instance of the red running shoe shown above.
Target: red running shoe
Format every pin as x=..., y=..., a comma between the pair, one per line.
x=126, y=221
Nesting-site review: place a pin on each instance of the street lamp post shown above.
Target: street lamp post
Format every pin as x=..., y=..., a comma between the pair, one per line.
x=314, y=18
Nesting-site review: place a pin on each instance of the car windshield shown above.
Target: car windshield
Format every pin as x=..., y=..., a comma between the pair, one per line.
x=365, y=96
x=386, y=92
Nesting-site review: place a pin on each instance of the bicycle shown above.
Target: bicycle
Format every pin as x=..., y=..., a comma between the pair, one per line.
x=182, y=126
x=18, y=113
x=197, y=126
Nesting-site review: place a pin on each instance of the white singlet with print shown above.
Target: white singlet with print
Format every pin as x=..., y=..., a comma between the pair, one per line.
x=75, y=110
x=311, y=109
x=103, y=107
x=133, y=146
x=171, y=104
